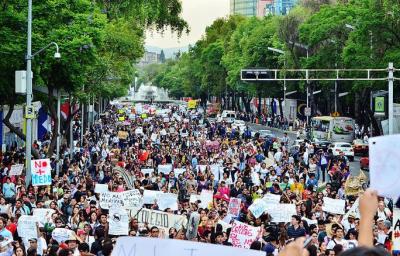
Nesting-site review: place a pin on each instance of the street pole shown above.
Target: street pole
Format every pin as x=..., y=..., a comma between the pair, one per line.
x=71, y=134
x=307, y=103
x=390, y=96
x=28, y=144
x=58, y=132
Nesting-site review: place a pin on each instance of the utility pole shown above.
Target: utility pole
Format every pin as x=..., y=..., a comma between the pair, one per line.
x=58, y=132
x=28, y=144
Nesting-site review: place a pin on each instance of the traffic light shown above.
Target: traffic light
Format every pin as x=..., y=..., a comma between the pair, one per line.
x=255, y=74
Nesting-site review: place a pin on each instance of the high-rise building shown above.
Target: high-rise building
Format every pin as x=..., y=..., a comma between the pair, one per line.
x=282, y=7
x=264, y=7
x=244, y=7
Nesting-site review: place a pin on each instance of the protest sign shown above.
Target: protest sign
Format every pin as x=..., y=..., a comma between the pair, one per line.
x=16, y=169
x=234, y=206
x=166, y=120
x=396, y=231
x=206, y=198
x=41, y=172
x=258, y=207
x=215, y=170
x=162, y=220
x=224, y=225
x=154, y=137
x=132, y=199
x=118, y=221
x=178, y=171
x=128, y=246
x=271, y=199
x=43, y=215
x=150, y=196
x=127, y=200
x=355, y=210
x=243, y=235
x=62, y=234
x=167, y=200
x=101, y=188
x=309, y=221
x=27, y=227
x=139, y=130
x=166, y=168
x=384, y=154
x=335, y=206
x=147, y=171
x=201, y=168
x=281, y=212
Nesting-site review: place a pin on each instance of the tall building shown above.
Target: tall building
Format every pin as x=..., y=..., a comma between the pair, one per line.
x=264, y=7
x=282, y=7
x=244, y=7
x=149, y=58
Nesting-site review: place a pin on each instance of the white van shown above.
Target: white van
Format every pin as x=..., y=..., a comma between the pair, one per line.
x=228, y=116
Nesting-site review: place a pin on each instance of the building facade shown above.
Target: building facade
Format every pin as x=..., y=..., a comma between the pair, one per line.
x=244, y=7
x=261, y=8
x=149, y=58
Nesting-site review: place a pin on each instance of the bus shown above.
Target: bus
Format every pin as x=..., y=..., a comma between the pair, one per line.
x=334, y=129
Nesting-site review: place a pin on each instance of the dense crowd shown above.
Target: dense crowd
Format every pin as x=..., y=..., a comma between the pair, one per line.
x=250, y=167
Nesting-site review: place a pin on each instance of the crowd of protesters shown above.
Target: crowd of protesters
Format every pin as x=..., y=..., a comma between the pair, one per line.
x=250, y=167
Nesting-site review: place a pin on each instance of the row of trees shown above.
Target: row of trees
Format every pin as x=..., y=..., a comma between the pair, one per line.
x=100, y=41
x=212, y=66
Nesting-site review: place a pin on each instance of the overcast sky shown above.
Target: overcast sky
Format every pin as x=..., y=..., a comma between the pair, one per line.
x=199, y=14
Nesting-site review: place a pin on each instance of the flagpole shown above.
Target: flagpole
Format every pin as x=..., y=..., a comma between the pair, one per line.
x=58, y=132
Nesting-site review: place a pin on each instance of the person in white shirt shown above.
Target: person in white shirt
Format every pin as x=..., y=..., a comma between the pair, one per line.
x=383, y=212
x=338, y=239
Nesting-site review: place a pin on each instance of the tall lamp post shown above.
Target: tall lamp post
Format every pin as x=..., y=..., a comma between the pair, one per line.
x=29, y=107
x=305, y=47
x=284, y=81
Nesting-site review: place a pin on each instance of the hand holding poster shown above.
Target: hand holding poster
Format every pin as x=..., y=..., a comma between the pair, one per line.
x=62, y=234
x=166, y=168
x=234, y=206
x=101, y=188
x=335, y=206
x=150, y=196
x=127, y=200
x=243, y=235
x=384, y=155
x=139, y=246
x=41, y=172
x=27, y=227
x=206, y=198
x=167, y=200
x=271, y=199
x=281, y=212
x=43, y=215
x=258, y=207
x=118, y=221
x=16, y=169
x=147, y=171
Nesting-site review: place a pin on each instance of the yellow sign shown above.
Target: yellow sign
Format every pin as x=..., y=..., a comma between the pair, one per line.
x=120, y=111
x=335, y=114
x=121, y=118
x=29, y=112
x=143, y=116
x=192, y=104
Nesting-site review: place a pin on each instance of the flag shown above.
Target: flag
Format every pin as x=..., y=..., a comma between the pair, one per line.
x=44, y=123
x=64, y=108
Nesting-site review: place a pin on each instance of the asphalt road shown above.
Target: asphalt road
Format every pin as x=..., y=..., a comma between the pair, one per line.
x=354, y=166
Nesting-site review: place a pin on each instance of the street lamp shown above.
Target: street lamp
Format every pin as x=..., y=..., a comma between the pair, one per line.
x=284, y=81
x=29, y=57
x=306, y=47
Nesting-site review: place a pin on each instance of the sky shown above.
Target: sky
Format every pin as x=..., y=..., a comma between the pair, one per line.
x=199, y=14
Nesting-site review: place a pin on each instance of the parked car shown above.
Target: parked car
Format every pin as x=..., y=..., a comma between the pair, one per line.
x=364, y=163
x=360, y=146
x=321, y=144
x=344, y=147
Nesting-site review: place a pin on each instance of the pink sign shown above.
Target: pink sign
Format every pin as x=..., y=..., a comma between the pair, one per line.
x=234, y=206
x=243, y=235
